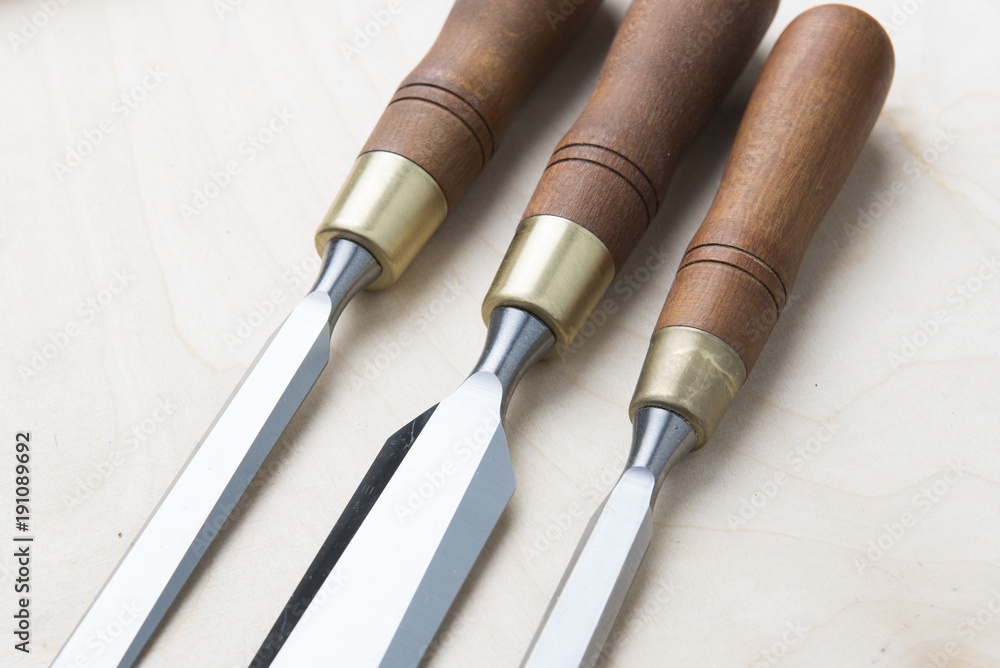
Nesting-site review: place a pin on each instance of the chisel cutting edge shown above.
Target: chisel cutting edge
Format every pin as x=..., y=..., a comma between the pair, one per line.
x=386, y=592
x=441, y=127
x=808, y=118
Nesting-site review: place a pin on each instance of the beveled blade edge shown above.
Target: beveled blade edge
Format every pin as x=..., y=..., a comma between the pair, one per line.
x=199, y=500
x=596, y=581
x=366, y=597
x=357, y=509
x=484, y=503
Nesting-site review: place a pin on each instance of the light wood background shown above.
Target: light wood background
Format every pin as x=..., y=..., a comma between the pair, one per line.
x=122, y=336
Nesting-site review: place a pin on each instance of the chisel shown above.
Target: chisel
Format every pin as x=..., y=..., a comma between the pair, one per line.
x=440, y=128
x=383, y=596
x=808, y=118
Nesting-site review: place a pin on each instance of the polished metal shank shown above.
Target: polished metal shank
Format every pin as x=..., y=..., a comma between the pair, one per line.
x=594, y=586
x=348, y=268
x=515, y=340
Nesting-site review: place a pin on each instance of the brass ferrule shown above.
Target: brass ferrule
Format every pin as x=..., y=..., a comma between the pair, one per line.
x=389, y=205
x=557, y=271
x=691, y=373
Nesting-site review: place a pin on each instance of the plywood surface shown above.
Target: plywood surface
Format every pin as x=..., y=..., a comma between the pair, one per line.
x=846, y=514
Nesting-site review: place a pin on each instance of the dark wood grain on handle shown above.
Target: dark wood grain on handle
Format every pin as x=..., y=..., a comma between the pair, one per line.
x=450, y=113
x=811, y=113
x=671, y=64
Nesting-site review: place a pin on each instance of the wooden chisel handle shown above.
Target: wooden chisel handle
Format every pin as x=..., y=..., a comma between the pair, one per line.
x=670, y=65
x=445, y=122
x=811, y=113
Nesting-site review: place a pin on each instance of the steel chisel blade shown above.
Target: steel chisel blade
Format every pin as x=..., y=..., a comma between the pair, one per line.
x=598, y=577
x=201, y=497
x=383, y=607
x=360, y=504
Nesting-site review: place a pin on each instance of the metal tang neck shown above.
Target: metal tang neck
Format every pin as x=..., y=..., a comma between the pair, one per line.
x=659, y=439
x=515, y=340
x=347, y=270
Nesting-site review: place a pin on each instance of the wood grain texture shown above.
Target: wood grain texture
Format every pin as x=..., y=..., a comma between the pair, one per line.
x=669, y=67
x=810, y=115
x=116, y=409
x=451, y=112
